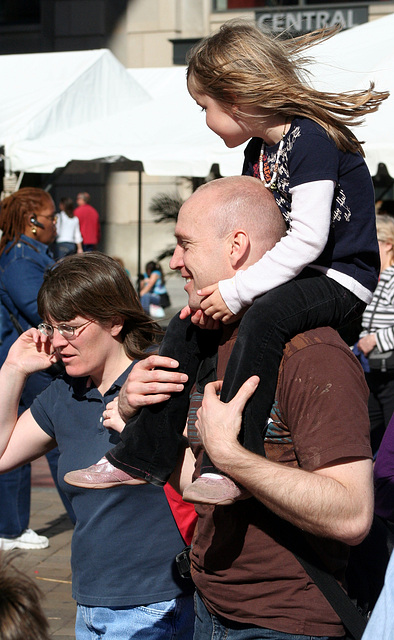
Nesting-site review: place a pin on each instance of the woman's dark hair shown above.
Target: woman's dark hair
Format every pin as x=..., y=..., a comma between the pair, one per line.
x=95, y=286
x=16, y=209
x=154, y=266
x=68, y=206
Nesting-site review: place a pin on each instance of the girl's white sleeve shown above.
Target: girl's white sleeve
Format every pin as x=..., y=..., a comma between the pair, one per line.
x=310, y=226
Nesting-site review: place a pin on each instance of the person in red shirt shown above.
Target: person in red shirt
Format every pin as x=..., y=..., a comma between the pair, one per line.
x=89, y=222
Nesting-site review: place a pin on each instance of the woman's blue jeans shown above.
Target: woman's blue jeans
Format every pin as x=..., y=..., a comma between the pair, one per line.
x=15, y=501
x=150, y=441
x=149, y=298
x=210, y=627
x=62, y=249
x=168, y=620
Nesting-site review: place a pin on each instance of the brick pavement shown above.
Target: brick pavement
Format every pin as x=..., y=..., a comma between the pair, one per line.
x=50, y=567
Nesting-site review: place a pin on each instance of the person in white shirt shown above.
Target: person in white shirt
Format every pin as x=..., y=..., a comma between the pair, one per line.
x=69, y=237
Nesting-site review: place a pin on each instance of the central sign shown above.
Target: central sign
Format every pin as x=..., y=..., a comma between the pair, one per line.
x=301, y=21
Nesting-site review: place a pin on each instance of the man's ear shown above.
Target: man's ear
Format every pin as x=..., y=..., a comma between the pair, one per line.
x=240, y=248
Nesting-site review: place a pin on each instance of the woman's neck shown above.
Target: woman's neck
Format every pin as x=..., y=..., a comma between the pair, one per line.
x=114, y=366
x=386, y=264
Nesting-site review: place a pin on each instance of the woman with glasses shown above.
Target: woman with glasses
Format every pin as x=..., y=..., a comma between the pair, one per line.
x=124, y=544
x=28, y=224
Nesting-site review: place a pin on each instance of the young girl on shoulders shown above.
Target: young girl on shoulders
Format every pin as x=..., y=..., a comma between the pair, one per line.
x=323, y=272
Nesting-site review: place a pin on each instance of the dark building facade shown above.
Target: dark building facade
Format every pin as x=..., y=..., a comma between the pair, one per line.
x=33, y=26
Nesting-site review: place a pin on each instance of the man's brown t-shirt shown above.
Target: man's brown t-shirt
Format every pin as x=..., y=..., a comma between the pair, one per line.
x=319, y=417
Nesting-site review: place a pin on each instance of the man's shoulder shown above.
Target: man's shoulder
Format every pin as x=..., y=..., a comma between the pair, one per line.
x=319, y=357
x=323, y=337
x=85, y=208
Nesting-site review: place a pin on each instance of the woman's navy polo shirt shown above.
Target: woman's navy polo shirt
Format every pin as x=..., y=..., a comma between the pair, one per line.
x=125, y=540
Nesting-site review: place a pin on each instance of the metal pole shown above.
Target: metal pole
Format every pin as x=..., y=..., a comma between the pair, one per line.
x=139, y=227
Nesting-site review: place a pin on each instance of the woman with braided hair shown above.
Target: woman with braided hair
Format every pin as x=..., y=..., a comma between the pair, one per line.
x=27, y=220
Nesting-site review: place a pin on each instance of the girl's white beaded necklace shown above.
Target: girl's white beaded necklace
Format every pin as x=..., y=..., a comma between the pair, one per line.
x=272, y=183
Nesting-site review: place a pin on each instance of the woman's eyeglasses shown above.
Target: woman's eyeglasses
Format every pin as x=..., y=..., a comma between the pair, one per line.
x=53, y=217
x=65, y=330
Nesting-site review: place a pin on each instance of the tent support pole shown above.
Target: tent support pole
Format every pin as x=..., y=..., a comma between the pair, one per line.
x=139, y=228
x=20, y=178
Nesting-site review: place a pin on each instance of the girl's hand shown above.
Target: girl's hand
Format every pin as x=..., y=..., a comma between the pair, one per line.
x=112, y=419
x=149, y=382
x=31, y=352
x=199, y=318
x=213, y=304
x=185, y=312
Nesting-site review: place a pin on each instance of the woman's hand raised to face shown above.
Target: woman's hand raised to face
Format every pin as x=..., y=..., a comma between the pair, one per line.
x=31, y=352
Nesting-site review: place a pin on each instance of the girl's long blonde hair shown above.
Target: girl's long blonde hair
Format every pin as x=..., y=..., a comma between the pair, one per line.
x=242, y=66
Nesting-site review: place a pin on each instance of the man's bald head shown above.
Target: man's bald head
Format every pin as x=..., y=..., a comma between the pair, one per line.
x=242, y=202
x=225, y=226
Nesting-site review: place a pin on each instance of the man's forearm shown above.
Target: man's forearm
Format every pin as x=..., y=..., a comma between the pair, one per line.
x=313, y=501
x=334, y=502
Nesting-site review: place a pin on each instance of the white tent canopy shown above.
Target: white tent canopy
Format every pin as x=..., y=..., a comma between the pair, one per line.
x=48, y=93
x=169, y=136
x=350, y=60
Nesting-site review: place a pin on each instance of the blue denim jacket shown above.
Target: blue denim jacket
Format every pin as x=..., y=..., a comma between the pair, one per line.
x=21, y=274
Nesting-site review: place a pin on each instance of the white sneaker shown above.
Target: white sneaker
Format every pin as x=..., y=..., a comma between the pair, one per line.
x=29, y=539
x=155, y=311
